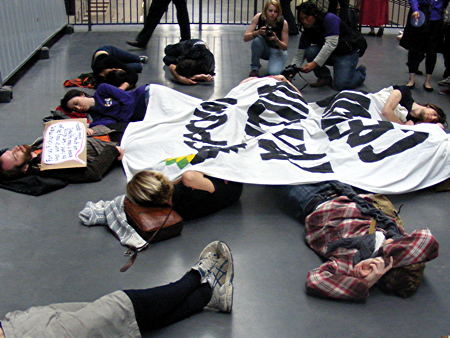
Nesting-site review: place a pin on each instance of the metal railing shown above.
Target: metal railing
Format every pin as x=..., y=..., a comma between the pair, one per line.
x=225, y=12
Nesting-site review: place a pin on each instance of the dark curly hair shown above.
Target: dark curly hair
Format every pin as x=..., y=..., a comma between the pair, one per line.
x=402, y=281
x=310, y=8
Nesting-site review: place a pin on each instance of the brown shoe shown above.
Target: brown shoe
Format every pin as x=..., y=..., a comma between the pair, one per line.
x=253, y=73
x=321, y=83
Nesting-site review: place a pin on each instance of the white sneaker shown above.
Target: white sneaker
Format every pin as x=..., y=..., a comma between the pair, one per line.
x=208, y=259
x=220, y=279
x=222, y=298
x=445, y=82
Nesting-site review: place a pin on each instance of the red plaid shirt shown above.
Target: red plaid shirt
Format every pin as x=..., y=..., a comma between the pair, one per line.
x=340, y=218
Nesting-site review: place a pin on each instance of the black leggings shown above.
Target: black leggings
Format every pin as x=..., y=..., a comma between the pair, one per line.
x=156, y=12
x=163, y=305
x=447, y=50
x=415, y=57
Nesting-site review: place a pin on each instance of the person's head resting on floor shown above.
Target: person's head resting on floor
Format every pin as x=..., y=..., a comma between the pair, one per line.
x=188, y=67
x=150, y=188
x=116, y=77
x=77, y=100
x=14, y=162
x=401, y=281
x=428, y=113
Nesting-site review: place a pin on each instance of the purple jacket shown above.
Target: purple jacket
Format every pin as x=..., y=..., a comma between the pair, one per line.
x=437, y=7
x=113, y=105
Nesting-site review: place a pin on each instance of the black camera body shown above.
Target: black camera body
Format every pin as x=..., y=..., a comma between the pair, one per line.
x=290, y=71
x=269, y=31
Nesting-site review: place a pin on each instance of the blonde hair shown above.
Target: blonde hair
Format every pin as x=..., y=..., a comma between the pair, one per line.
x=150, y=188
x=277, y=5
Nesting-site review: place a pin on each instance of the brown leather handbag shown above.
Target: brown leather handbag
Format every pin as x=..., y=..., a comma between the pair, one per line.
x=153, y=224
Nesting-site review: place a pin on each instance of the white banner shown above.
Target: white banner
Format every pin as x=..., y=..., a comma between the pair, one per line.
x=263, y=132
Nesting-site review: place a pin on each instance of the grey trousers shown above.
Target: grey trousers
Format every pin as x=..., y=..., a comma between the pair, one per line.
x=109, y=316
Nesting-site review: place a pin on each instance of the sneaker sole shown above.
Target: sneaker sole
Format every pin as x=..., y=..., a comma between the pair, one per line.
x=228, y=303
x=226, y=252
x=229, y=297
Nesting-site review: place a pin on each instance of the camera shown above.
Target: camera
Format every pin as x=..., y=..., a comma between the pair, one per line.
x=290, y=71
x=269, y=31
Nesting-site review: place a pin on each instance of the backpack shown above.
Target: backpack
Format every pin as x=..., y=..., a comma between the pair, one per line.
x=384, y=204
x=350, y=40
x=351, y=23
x=85, y=80
x=352, y=18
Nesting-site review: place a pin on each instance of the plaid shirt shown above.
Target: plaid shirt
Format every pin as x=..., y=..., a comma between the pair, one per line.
x=341, y=218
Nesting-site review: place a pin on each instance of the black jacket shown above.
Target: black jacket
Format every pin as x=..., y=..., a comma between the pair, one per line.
x=100, y=157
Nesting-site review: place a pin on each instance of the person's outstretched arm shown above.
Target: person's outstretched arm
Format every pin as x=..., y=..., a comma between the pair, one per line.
x=178, y=78
x=197, y=180
x=203, y=78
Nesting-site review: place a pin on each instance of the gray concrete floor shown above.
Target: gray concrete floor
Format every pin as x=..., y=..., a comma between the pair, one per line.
x=48, y=256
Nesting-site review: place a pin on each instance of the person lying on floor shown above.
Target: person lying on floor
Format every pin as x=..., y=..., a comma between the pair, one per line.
x=194, y=195
x=396, y=104
x=400, y=107
x=190, y=62
x=133, y=313
x=362, y=245
x=109, y=104
x=19, y=165
x=116, y=66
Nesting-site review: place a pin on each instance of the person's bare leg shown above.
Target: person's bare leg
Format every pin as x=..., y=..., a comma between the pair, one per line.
x=427, y=84
x=411, y=81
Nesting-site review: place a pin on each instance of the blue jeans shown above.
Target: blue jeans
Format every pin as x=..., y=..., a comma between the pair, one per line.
x=346, y=73
x=131, y=60
x=305, y=197
x=261, y=50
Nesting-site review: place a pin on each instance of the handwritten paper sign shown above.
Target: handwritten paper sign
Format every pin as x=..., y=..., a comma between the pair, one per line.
x=64, y=144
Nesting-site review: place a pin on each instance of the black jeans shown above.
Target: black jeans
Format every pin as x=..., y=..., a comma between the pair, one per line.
x=155, y=13
x=163, y=305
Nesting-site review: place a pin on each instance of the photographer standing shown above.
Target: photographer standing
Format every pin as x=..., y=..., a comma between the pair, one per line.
x=326, y=40
x=269, y=34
